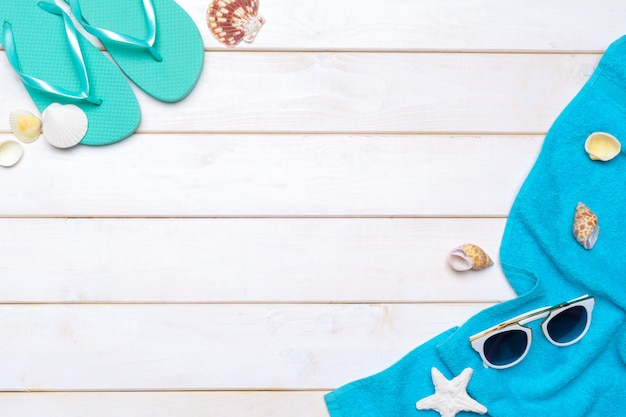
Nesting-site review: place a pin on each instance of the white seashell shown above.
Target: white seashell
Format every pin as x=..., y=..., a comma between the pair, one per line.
x=10, y=153
x=25, y=125
x=467, y=257
x=64, y=125
x=602, y=146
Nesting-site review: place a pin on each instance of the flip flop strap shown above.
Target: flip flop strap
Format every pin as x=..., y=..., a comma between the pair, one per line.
x=105, y=34
x=77, y=57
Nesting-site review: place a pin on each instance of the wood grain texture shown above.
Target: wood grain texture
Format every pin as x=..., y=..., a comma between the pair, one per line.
x=428, y=25
x=166, y=404
x=466, y=25
x=283, y=230
x=206, y=347
x=272, y=175
x=245, y=260
x=260, y=92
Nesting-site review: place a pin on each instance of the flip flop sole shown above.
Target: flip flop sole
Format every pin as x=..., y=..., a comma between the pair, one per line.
x=43, y=52
x=177, y=40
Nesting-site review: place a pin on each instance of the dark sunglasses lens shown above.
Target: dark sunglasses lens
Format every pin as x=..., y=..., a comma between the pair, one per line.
x=568, y=324
x=505, y=348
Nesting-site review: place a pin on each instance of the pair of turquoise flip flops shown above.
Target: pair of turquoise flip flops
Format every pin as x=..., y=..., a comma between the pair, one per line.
x=155, y=43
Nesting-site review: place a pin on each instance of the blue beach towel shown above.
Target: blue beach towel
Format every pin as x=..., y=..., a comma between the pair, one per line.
x=545, y=266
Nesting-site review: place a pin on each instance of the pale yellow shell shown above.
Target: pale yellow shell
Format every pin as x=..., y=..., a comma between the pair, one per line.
x=10, y=153
x=601, y=146
x=25, y=125
x=469, y=256
x=585, y=228
x=64, y=125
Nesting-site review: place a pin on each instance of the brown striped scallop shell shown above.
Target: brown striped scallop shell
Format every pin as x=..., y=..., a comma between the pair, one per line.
x=232, y=21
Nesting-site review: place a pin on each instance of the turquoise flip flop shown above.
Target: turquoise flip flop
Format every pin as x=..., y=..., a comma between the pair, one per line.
x=154, y=42
x=57, y=65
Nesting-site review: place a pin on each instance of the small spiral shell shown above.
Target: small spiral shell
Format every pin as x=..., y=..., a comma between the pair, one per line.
x=585, y=227
x=469, y=256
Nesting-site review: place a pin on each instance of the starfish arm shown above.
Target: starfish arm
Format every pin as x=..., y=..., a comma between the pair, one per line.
x=451, y=396
x=436, y=404
x=439, y=380
x=469, y=404
x=461, y=381
x=428, y=403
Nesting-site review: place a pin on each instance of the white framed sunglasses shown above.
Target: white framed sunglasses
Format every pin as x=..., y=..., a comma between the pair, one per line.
x=508, y=343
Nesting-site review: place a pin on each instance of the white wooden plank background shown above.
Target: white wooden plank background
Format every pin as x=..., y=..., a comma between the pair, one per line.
x=366, y=92
x=224, y=175
x=284, y=229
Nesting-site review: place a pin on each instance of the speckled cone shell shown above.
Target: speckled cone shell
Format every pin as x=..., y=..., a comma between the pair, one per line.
x=469, y=256
x=585, y=226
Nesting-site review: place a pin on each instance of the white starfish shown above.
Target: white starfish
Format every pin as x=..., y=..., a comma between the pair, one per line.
x=451, y=396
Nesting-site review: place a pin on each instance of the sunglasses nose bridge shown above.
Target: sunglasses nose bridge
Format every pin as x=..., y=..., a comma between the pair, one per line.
x=544, y=314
